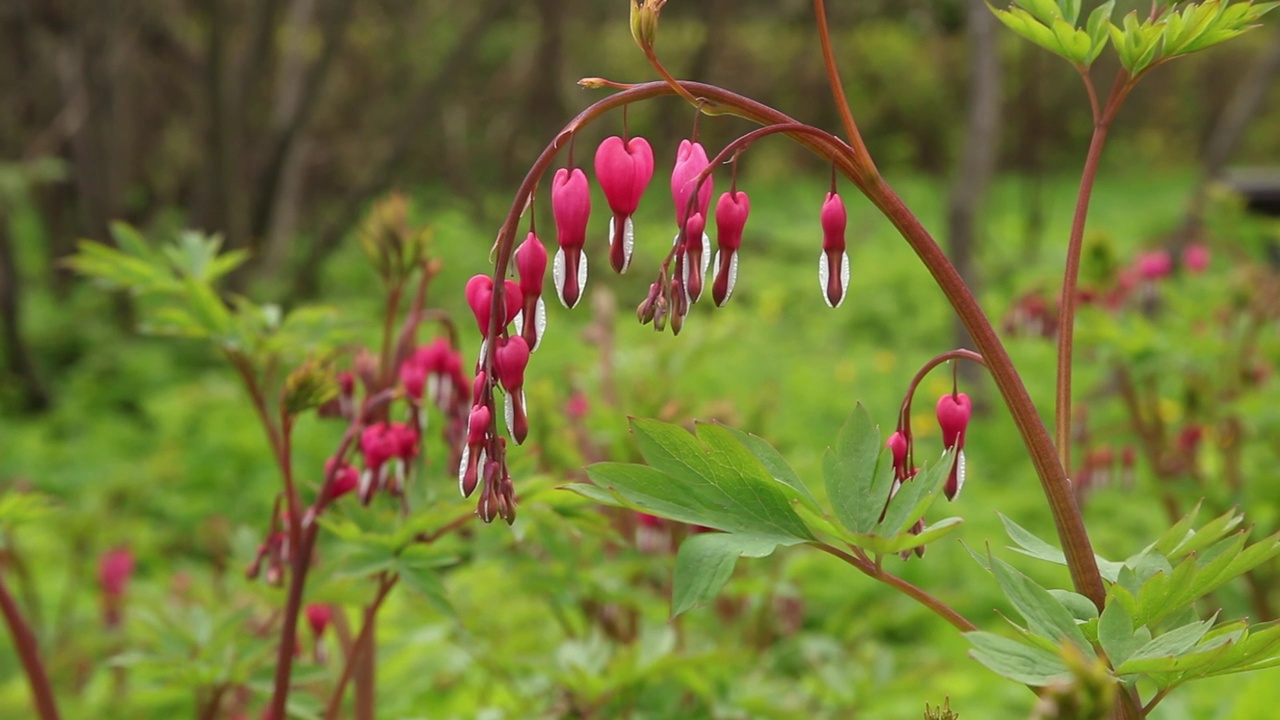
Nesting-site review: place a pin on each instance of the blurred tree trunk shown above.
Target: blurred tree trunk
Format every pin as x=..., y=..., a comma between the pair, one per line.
x=297, y=100
x=978, y=151
x=306, y=279
x=1245, y=101
x=17, y=357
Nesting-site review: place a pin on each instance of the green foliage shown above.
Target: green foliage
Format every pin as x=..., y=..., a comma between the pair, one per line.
x=730, y=481
x=178, y=283
x=1140, y=43
x=1147, y=628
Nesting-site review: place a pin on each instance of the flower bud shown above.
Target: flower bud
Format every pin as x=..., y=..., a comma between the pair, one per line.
x=691, y=160
x=731, y=218
x=954, y=411
x=531, y=263
x=697, y=253
x=644, y=21
x=833, y=264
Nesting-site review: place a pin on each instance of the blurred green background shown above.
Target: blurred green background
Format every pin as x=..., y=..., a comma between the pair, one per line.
x=277, y=122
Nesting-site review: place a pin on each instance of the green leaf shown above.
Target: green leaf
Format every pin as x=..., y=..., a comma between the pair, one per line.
x=1070, y=10
x=1080, y=607
x=1075, y=43
x=1046, y=11
x=915, y=496
x=364, y=560
x=705, y=563
x=418, y=573
x=1044, y=614
x=1171, y=644
x=1098, y=28
x=857, y=491
x=1116, y=632
x=1031, y=545
x=889, y=544
x=777, y=466
x=1017, y=661
x=1175, y=535
x=721, y=485
x=1026, y=25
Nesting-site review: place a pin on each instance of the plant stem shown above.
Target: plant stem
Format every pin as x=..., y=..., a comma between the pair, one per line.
x=869, y=569
x=837, y=87
x=24, y=642
x=358, y=646
x=300, y=563
x=1071, y=275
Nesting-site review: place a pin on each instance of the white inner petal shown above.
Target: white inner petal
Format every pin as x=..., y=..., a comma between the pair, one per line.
x=628, y=242
x=824, y=275
x=706, y=253
x=733, y=276
x=540, y=323
x=582, y=272
x=462, y=466
x=509, y=410
x=844, y=275
x=960, y=472
x=557, y=274
x=519, y=322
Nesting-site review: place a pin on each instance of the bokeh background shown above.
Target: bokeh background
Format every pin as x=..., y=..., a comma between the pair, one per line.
x=277, y=123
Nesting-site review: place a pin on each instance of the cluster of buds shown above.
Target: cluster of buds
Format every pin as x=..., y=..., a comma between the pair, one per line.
x=954, y=411
x=274, y=551
x=388, y=448
x=501, y=364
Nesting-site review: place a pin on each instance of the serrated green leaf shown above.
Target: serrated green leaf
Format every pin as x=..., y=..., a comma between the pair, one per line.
x=364, y=560
x=1076, y=44
x=1210, y=533
x=857, y=488
x=1026, y=25
x=777, y=465
x=914, y=497
x=131, y=241
x=1044, y=614
x=1169, y=645
x=1174, y=536
x=1046, y=11
x=1098, y=29
x=1032, y=546
x=1070, y=10
x=1116, y=632
x=1080, y=607
x=727, y=479
x=705, y=562
x=1016, y=661
x=418, y=574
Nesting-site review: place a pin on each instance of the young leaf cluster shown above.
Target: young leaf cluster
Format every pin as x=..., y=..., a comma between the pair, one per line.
x=1141, y=43
x=1149, y=629
x=177, y=284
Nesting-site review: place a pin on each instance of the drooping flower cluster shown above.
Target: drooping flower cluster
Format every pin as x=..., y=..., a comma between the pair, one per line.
x=624, y=168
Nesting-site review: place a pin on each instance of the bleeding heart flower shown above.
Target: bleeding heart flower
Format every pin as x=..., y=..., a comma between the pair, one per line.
x=511, y=361
x=531, y=263
x=731, y=218
x=624, y=169
x=571, y=205
x=697, y=255
x=954, y=411
x=479, y=295
x=691, y=160
x=833, y=264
